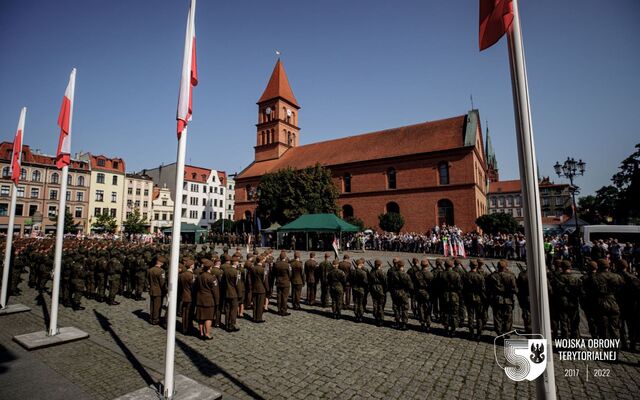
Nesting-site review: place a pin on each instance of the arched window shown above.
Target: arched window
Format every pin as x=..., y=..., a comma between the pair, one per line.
x=249, y=192
x=347, y=183
x=6, y=172
x=35, y=176
x=80, y=181
x=247, y=215
x=289, y=138
x=443, y=172
x=69, y=180
x=391, y=178
x=347, y=211
x=55, y=177
x=393, y=207
x=23, y=174
x=445, y=212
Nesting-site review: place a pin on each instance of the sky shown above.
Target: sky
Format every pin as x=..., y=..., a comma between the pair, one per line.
x=354, y=66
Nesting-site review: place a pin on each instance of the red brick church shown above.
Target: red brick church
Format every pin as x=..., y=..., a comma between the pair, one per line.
x=432, y=172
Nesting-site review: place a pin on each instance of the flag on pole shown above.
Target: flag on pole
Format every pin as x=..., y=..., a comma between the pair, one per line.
x=16, y=159
x=63, y=156
x=335, y=246
x=496, y=17
x=189, y=77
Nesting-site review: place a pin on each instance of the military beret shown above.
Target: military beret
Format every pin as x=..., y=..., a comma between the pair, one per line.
x=474, y=263
x=438, y=261
x=206, y=263
x=327, y=255
x=360, y=261
x=378, y=262
x=414, y=260
x=400, y=263
x=503, y=264
x=449, y=263
x=161, y=259
x=345, y=257
x=622, y=264
x=296, y=254
x=188, y=261
x=565, y=264
x=335, y=261
x=312, y=254
x=603, y=263
x=592, y=265
x=424, y=263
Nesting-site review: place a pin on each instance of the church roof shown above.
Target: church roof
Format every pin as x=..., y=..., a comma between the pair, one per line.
x=425, y=137
x=278, y=86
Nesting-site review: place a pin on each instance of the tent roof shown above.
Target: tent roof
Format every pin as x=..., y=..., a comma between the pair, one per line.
x=318, y=223
x=185, y=227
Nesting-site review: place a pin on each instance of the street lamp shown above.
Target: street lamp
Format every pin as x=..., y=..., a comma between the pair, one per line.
x=571, y=169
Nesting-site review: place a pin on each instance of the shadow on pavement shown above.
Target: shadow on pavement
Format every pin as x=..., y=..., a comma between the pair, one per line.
x=209, y=368
x=5, y=358
x=106, y=326
x=45, y=310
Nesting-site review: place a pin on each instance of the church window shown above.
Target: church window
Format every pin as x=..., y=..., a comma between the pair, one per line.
x=391, y=178
x=443, y=172
x=347, y=183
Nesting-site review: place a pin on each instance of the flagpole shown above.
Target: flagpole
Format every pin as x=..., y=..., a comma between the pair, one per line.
x=57, y=264
x=545, y=387
x=4, y=291
x=9, y=248
x=173, y=270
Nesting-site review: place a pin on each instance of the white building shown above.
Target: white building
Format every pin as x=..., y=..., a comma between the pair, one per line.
x=203, y=196
x=231, y=197
x=161, y=209
x=138, y=195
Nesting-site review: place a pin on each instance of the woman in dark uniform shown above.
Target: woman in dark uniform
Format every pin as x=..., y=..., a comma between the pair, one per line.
x=207, y=284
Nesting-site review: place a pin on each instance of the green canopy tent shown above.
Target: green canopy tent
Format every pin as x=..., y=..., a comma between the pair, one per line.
x=189, y=233
x=318, y=224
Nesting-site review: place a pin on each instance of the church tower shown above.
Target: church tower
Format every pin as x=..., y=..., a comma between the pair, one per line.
x=277, y=127
x=492, y=163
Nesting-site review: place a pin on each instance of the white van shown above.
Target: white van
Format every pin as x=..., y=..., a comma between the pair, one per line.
x=624, y=233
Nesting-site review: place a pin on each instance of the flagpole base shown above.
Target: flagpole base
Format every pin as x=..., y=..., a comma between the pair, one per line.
x=185, y=388
x=40, y=339
x=14, y=308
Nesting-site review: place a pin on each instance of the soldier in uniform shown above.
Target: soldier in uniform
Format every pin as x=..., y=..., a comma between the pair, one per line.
x=628, y=298
x=281, y=277
x=185, y=286
x=218, y=305
x=436, y=292
x=359, y=283
x=523, y=299
x=337, y=280
x=400, y=286
x=506, y=289
x=297, y=281
x=473, y=285
x=240, y=286
x=114, y=272
x=230, y=279
x=65, y=280
x=422, y=280
x=140, y=266
x=101, y=275
x=378, y=290
x=325, y=268
x=608, y=284
x=206, y=285
x=310, y=274
x=258, y=288
x=90, y=275
x=451, y=298
x=569, y=302
x=588, y=301
x=345, y=266
x=77, y=283
x=413, y=268
x=156, y=278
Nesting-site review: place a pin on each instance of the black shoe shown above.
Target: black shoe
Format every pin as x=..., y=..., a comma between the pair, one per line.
x=286, y=313
x=76, y=308
x=113, y=303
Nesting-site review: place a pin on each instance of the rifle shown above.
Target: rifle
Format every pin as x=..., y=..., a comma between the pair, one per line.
x=431, y=265
x=519, y=267
x=389, y=264
x=369, y=264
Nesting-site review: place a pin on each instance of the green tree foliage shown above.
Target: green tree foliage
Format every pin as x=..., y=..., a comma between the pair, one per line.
x=627, y=181
x=70, y=225
x=135, y=223
x=105, y=223
x=287, y=194
x=228, y=225
x=497, y=223
x=356, y=221
x=391, y=222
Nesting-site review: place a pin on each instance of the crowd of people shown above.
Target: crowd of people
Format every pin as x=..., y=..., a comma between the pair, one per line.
x=213, y=287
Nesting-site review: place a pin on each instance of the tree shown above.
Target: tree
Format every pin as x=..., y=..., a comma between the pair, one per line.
x=356, y=221
x=286, y=194
x=105, y=223
x=627, y=181
x=70, y=225
x=497, y=223
x=228, y=225
x=134, y=223
x=391, y=222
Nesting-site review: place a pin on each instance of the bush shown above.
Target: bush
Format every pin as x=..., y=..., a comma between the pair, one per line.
x=391, y=222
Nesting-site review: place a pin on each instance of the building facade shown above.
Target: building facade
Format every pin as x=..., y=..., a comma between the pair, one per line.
x=161, y=209
x=431, y=173
x=39, y=194
x=506, y=197
x=203, y=196
x=231, y=195
x=107, y=188
x=138, y=196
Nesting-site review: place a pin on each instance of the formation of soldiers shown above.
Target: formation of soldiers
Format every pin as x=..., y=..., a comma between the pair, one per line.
x=211, y=286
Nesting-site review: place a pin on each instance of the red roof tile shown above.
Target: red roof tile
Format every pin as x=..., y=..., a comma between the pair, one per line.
x=196, y=174
x=278, y=86
x=110, y=164
x=505, y=186
x=32, y=158
x=420, y=138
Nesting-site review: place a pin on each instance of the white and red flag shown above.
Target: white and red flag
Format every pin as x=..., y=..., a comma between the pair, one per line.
x=63, y=156
x=496, y=17
x=189, y=77
x=16, y=157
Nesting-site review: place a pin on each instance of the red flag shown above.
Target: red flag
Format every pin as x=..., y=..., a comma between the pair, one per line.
x=189, y=77
x=496, y=17
x=16, y=158
x=63, y=156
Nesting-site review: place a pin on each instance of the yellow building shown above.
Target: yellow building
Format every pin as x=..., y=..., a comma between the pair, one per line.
x=107, y=190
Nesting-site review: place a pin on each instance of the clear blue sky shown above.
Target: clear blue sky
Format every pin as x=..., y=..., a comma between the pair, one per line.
x=354, y=66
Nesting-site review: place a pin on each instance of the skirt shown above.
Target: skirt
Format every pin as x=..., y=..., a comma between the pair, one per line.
x=204, y=313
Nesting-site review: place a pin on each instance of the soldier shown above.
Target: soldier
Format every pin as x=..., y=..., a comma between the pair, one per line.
x=325, y=268
x=248, y=290
x=206, y=285
x=156, y=278
x=230, y=279
x=218, y=305
x=451, y=298
x=473, y=285
x=359, y=283
x=101, y=275
x=140, y=267
x=65, y=281
x=569, y=300
x=240, y=286
x=588, y=300
x=628, y=301
x=608, y=285
x=422, y=280
x=523, y=299
x=90, y=275
x=337, y=281
x=378, y=290
x=400, y=287
x=258, y=286
x=297, y=281
x=185, y=286
x=436, y=292
x=506, y=289
x=114, y=272
x=413, y=268
x=310, y=274
x=345, y=266
x=77, y=283
x=281, y=276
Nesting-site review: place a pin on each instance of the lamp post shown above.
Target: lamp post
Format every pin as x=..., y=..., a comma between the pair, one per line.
x=571, y=169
